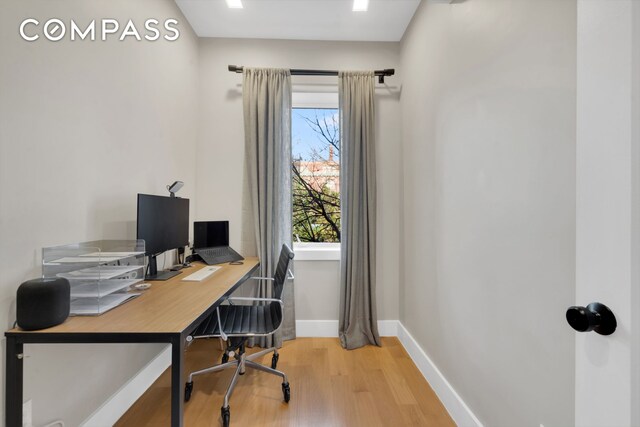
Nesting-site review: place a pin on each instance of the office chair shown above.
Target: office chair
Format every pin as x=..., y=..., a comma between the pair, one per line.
x=241, y=322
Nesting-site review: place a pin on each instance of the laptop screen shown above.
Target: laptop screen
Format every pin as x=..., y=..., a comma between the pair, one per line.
x=209, y=234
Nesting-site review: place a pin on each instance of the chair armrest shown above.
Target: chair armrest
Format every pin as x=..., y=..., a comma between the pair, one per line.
x=222, y=334
x=255, y=299
x=290, y=276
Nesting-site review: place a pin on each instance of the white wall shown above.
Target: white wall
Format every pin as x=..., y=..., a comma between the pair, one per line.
x=318, y=290
x=84, y=127
x=608, y=214
x=476, y=204
x=220, y=168
x=488, y=122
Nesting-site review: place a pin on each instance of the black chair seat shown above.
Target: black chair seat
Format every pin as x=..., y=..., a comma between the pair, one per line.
x=242, y=319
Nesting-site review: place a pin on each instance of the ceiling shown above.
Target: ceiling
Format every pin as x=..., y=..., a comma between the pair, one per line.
x=386, y=20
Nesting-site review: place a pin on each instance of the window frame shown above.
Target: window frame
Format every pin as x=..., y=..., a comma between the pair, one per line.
x=315, y=251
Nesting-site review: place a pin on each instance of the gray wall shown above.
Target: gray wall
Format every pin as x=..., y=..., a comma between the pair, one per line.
x=84, y=127
x=476, y=203
x=221, y=153
x=488, y=254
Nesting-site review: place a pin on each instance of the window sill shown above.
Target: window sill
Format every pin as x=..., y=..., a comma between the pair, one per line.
x=317, y=251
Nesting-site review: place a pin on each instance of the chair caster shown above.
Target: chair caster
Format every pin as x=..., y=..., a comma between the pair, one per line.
x=226, y=415
x=274, y=361
x=286, y=391
x=225, y=358
x=188, y=388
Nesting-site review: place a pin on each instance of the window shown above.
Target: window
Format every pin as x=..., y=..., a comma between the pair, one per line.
x=316, y=174
x=307, y=144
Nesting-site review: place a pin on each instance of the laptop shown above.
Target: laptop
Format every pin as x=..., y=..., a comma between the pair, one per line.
x=211, y=242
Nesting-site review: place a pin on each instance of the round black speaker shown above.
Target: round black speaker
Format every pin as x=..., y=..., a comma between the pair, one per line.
x=42, y=303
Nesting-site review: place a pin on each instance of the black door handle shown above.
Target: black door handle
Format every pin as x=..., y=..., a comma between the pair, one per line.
x=594, y=317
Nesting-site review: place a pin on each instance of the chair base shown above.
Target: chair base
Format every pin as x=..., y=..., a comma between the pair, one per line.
x=241, y=363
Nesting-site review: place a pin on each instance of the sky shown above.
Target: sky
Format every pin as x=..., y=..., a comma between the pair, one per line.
x=303, y=139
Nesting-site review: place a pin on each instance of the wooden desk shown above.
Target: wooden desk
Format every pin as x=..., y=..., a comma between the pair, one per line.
x=165, y=313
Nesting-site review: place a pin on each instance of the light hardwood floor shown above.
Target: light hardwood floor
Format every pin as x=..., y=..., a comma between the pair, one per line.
x=371, y=386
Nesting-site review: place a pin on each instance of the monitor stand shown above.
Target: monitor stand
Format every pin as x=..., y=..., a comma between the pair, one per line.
x=154, y=274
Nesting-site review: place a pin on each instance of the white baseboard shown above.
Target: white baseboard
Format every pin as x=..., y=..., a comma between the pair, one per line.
x=329, y=328
x=451, y=400
x=111, y=411
x=115, y=407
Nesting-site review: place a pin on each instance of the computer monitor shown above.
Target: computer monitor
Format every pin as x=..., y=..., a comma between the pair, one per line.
x=163, y=223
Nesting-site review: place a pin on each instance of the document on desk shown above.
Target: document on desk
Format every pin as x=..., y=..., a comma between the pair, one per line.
x=103, y=272
x=95, y=257
x=95, y=306
x=109, y=254
x=84, y=259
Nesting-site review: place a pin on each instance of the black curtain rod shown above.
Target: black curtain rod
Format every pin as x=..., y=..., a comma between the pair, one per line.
x=298, y=72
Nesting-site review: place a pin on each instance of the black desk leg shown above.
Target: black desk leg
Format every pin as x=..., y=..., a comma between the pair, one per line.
x=13, y=390
x=177, y=381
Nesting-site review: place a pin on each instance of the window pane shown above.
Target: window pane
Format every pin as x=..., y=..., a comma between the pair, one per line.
x=316, y=174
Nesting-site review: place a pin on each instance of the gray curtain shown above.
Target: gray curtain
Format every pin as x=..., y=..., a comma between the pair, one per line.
x=358, y=319
x=267, y=134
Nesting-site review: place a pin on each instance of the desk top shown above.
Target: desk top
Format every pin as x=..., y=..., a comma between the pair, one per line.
x=166, y=307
